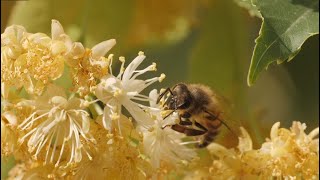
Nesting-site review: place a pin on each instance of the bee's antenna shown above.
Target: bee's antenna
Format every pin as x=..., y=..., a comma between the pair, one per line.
x=164, y=93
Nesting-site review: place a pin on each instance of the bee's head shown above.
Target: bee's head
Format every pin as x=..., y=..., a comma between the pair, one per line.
x=180, y=98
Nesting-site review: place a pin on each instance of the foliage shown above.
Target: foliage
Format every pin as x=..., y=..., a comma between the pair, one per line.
x=286, y=25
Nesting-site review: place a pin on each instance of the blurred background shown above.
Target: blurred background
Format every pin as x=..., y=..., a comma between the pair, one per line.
x=193, y=41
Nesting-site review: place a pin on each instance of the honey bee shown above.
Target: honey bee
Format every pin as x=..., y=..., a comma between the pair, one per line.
x=200, y=108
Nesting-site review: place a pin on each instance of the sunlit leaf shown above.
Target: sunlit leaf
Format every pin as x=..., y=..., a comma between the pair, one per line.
x=286, y=26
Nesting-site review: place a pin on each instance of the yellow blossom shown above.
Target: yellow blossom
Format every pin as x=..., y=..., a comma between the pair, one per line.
x=114, y=156
x=31, y=60
x=30, y=170
x=8, y=136
x=88, y=65
x=288, y=154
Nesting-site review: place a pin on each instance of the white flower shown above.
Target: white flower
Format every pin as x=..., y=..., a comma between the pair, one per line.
x=57, y=123
x=124, y=90
x=163, y=144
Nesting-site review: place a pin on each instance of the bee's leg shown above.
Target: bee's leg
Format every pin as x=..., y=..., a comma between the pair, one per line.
x=207, y=138
x=186, y=121
x=200, y=126
x=187, y=131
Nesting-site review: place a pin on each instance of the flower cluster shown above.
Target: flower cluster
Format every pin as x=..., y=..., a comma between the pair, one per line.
x=288, y=154
x=81, y=131
x=104, y=126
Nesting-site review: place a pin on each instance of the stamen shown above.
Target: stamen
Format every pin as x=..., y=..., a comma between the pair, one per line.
x=72, y=152
x=119, y=127
x=145, y=107
x=154, y=66
x=189, y=142
x=122, y=60
x=115, y=116
x=150, y=81
x=50, y=142
x=161, y=78
x=26, y=120
x=89, y=156
x=55, y=145
x=46, y=129
x=141, y=53
x=118, y=93
x=142, y=96
x=21, y=140
x=140, y=99
x=139, y=72
x=61, y=151
x=87, y=103
x=110, y=58
x=42, y=144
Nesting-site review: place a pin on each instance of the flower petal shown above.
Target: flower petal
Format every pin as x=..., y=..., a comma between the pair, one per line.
x=102, y=48
x=313, y=133
x=274, y=130
x=111, y=108
x=135, y=85
x=16, y=30
x=138, y=114
x=245, y=142
x=56, y=30
x=218, y=150
x=10, y=117
x=153, y=95
x=132, y=67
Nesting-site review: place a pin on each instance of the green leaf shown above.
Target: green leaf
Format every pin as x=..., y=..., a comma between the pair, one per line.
x=286, y=26
x=248, y=4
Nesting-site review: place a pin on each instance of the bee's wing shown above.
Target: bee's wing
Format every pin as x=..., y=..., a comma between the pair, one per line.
x=226, y=114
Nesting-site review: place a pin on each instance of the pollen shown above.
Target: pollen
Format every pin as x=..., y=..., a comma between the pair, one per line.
x=118, y=93
x=141, y=53
x=161, y=78
x=110, y=141
x=122, y=59
x=151, y=129
x=115, y=116
x=163, y=113
x=153, y=67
